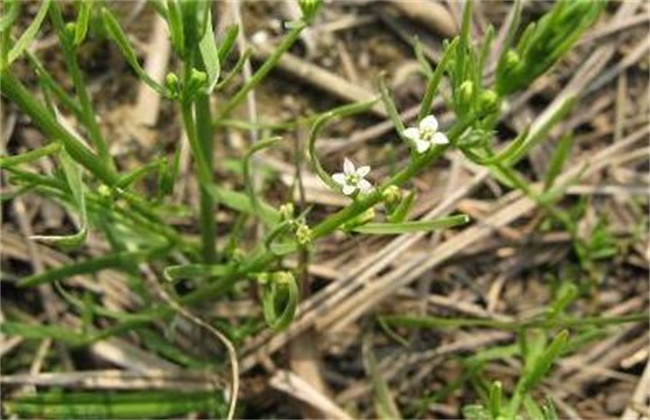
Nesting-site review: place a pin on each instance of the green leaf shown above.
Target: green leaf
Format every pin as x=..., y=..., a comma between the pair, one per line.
x=73, y=176
x=532, y=409
x=210, y=54
x=403, y=208
x=384, y=403
x=248, y=179
x=543, y=363
x=175, y=21
x=279, y=299
x=115, y=405
x=28, y=36
x=495, y=399
x=81, y=25
x=242, y=203
x=412, y=227
x=7, y=162
x=117, y=34
x=39, y=332
x=434, y=81
x=560, y=155
x=228, y=41
x=190, y=271
x=10, y=12
x=116, y=260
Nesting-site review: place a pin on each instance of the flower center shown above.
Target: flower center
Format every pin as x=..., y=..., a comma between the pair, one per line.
x=427, y=134
x=352, y=179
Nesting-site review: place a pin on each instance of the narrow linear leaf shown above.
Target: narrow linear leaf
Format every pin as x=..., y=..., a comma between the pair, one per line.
x=73, y=176
x=39, y=332
x=412, y=227
x=242, y=203
x=560, y=155
x=117, y=260
x=113, y=405
x=28, y=36
x=228, y=41
x=81, y=25
x=7, y=162
x=210, y=54
x=279, y=300
x=117, y=34
x=189, y=271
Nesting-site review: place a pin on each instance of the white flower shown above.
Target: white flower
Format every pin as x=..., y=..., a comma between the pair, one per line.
x=426, y=135
x=352, y=179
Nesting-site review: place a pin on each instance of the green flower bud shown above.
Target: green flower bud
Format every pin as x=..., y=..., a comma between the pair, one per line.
x=286, y=211
x=198, y=77
x=512, y=60
x=173, y=85
x=283, y=277
x=70, y=31
x=392, y=195
x=309, y=9
x=104, y=191
x=262, y=278
x=466, y=91
x=303, y=234
x=488, y=101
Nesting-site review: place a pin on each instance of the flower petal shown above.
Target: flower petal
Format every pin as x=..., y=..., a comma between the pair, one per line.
x=364, y=186
x=363, y=171
x=439, y=138
x=429, y=123
x=422, y=146
x=339, y=178
x=411, y=133
x=348, y=166
x=349, y=189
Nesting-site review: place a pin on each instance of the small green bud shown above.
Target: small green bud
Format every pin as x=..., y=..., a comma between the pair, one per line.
x=198, y=77
x=392, y=195
x=466, y=91
x=262, y=278
x=488, y=101
x=512, y=60
x=309, y=9
x=104, y=191
x=303, y=234
x=362, y=219
x=70, y=31
x=366, y=216
x=286, y=211
x=173, y=85
x=283, y=277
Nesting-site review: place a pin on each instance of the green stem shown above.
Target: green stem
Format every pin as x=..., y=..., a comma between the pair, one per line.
x=207, y=204
x=70, y=57
x=268, y=65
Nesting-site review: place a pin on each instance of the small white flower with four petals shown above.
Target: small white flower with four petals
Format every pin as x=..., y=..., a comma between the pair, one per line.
x=352, y=179
x=426, y=134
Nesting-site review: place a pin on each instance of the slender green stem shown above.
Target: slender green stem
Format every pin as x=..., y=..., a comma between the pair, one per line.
x=207, y=203
x=70, y=57
x=268, y=65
